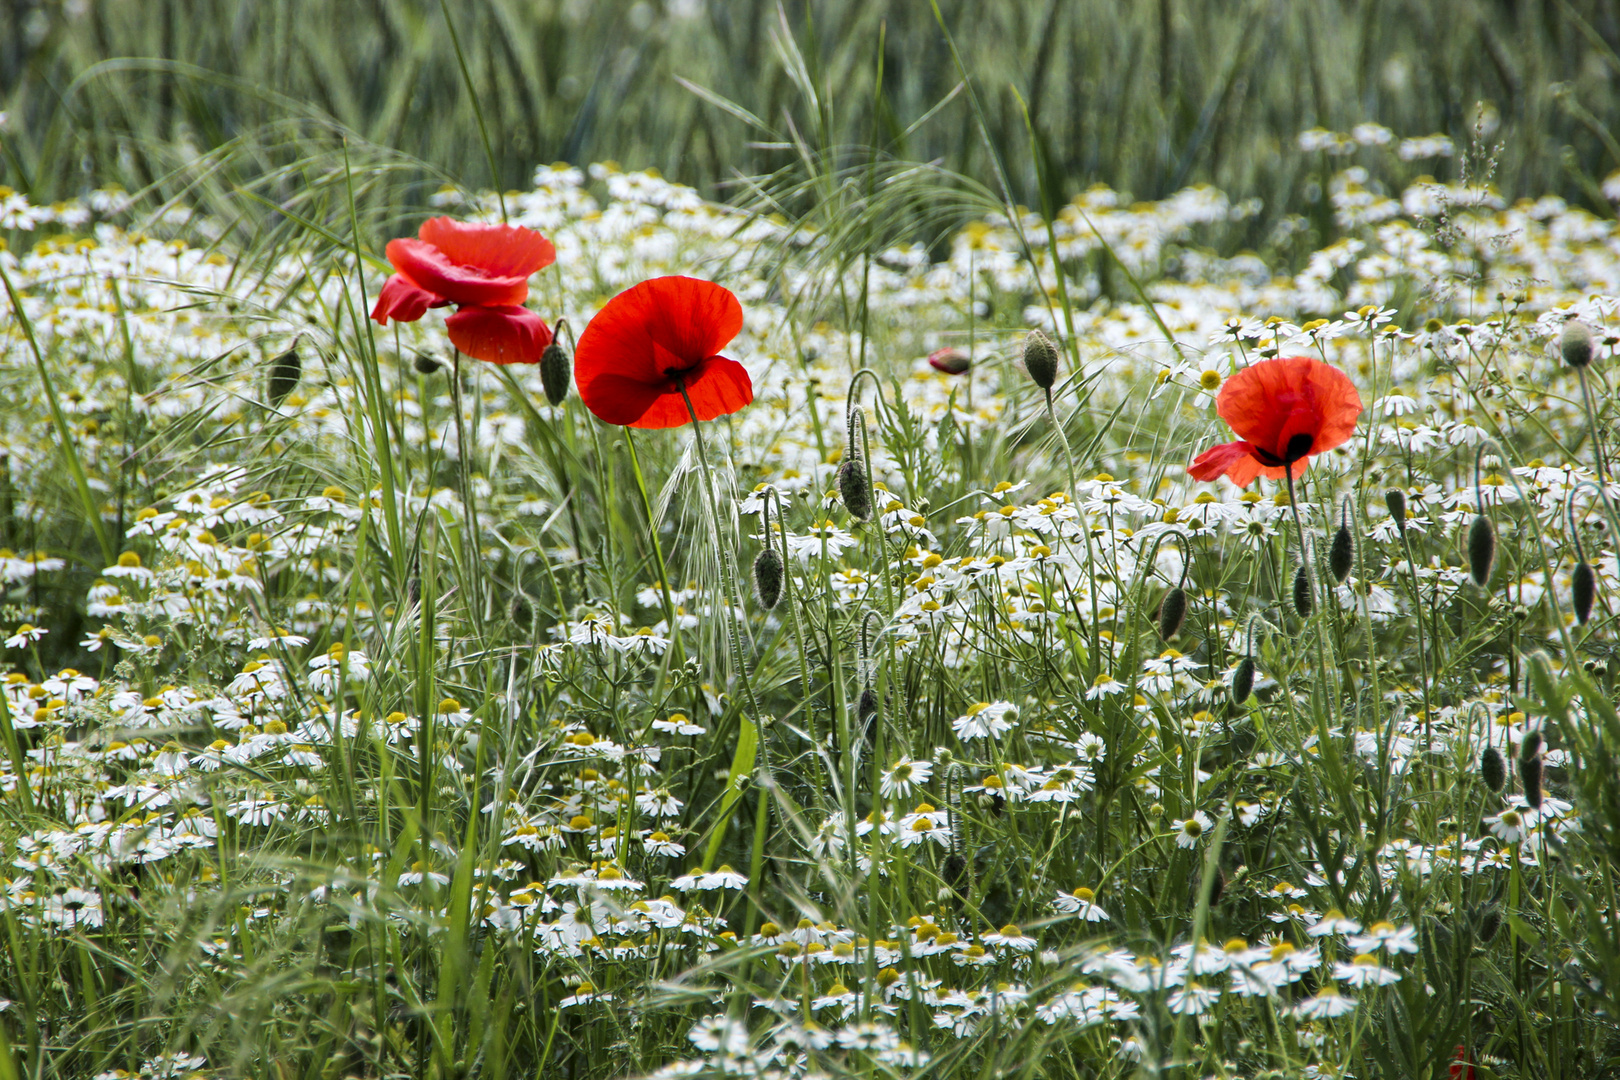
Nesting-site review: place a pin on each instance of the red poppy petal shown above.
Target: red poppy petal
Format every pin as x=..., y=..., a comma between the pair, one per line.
x=434, y=271
x=718, y=387
x=618, y=399
x=691, y=318
x=1271, y=402
x=1234, y=460
x=402, y=300
x=501, y=335
x=497, y=250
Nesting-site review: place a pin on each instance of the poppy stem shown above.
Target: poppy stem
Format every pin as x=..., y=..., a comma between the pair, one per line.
x=728, y=580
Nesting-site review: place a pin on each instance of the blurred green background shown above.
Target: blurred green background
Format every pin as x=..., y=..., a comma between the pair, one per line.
x=1143, y=96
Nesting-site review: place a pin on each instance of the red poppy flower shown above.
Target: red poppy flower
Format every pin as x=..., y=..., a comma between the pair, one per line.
x=1461, y=1067
x=482, y=269
x=653, y=339
x=1286, y=411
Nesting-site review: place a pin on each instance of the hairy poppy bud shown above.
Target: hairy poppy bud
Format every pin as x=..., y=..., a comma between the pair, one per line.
x=1172, y=612
x=1040, y=359
x=522, y=612
x=555, y=370
x=1576, y=343
x=1243, y=680
x=285, y=371
x=866, y=712
x=1530, y=779
x=1582, y=591
x=855, y=487
x=1481, y=549
x=950, y=360
x=426, y=365
x=955, y=873
x=1341, y=553
x=1490, y=921
x=1492, y=769
x=1531, y=746
x=768, y=578
x=1304, y=601
x=1395, y=499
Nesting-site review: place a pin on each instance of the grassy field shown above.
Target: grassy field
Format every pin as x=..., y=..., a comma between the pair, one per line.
x=367, y=714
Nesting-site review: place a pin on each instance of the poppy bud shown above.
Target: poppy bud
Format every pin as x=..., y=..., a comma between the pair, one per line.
x=768, y=578
x=855, y=487
x=1531, y=746
x=1040, y=359
x=522, y=612
x=1304, y=600
x=955, y=873
x=1576, y=343
x=951, y=360
x=1243, y=680
x=1530, y=779
x=1395, y=499
x=426, y=365
x=1481, y=549
x=285, y=371
x=865, y=711
x=1582, y=591
x=1341, y=553
x=1490, y=921
x=1492, y=769
x=555, y=370
x=1172, y=612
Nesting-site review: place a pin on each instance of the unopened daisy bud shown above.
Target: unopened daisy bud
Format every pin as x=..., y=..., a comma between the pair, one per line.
x=1481, y=549
x=1243, y=680
x=1040, y=359
x=1530, y=779
x=1582, y=591
x=555, y=370
x=855, y=487
x=1490, y=921
x=1576, y=343
x=1304, y=600
x=1172, y=612
x=1492, y=769
x=426, y=365
x=1341, y=553
x=285, y=371
x=768, y=578
x=1395, y=499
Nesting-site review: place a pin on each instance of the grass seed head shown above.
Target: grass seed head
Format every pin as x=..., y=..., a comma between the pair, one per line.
x=1172, y=612
x=855, y=487
x=768, y=572
x=1481, y=549
x=1582, y=591
x=1492, y=769
x=1040, y=359
x=1576, y=343
x=555, y=371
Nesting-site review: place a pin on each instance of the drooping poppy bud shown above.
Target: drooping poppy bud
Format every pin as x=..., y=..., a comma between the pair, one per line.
x=1576, y=343
x=285, y=371
x=955, y=874
x=1582, y=591
x=1243, y=680
x=1531, y=746
x=866, y=710
x=1490, y=921
x=1040, y=359
x=1530, y=772
x=1481, y=549
x=768, y=572
x=1342, y=552
x=1172, y=612
x=426, y=365
x=1304, y=597
x=1492, y=769
x=1395, y=500
x=950, y=360
x=555, y=371
x=855, y=487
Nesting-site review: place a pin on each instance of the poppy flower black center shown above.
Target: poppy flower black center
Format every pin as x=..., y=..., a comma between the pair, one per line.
x=1298, y=446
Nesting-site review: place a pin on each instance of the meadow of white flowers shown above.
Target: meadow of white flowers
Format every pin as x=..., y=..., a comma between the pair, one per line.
x=350, y=725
